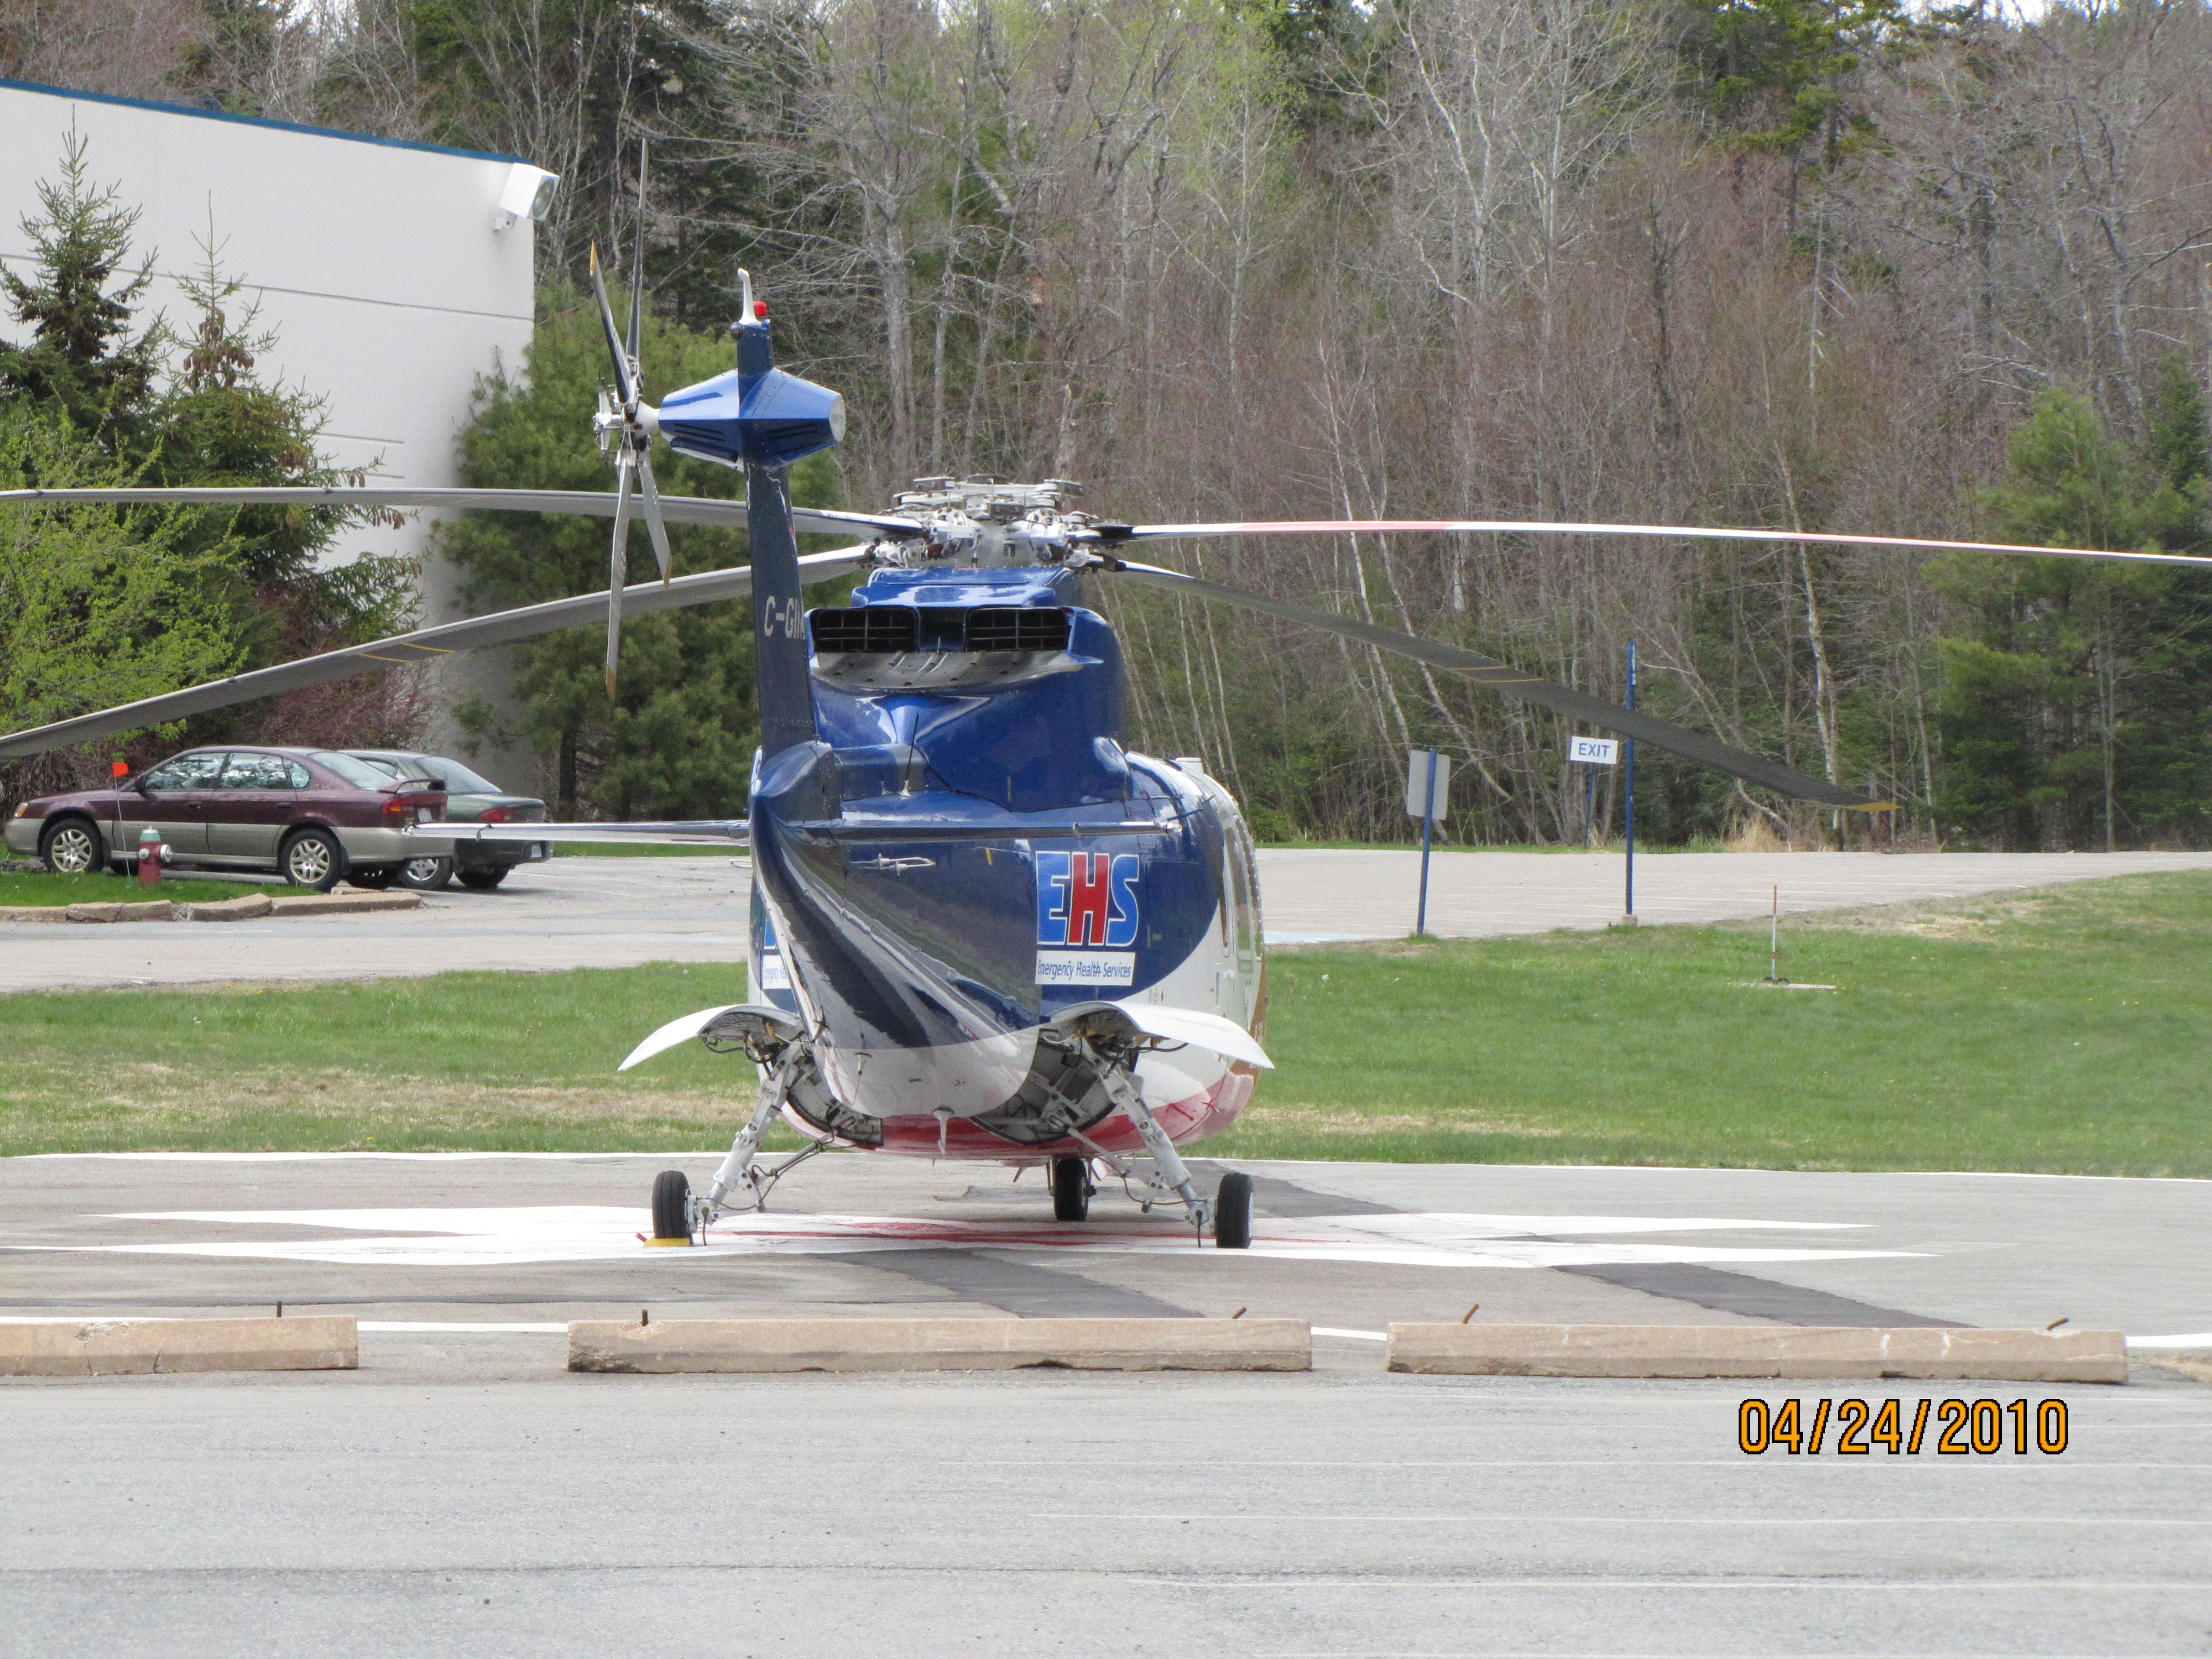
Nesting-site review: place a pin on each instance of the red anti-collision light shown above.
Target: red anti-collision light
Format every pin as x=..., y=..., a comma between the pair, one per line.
x=760, y=308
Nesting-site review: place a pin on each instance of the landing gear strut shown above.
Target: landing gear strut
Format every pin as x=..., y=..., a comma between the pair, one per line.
x=778, y=1048
x=1228, y=1215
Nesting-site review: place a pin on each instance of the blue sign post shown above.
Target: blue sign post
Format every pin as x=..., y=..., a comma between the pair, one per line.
x=1428, y=776
x=1628, y=798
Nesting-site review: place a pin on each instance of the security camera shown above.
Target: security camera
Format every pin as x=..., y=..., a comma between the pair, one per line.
x=528, y=194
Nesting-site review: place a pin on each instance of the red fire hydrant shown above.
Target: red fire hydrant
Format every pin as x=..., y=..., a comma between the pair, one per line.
x=153, y=854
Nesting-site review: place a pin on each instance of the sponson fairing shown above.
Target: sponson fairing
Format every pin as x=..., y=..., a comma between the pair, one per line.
x=969, y=851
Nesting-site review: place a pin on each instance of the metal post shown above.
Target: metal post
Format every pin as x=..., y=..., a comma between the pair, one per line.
x=1628, y=808
x=1589, y=804
x=1774, y=940
x=1428, y=817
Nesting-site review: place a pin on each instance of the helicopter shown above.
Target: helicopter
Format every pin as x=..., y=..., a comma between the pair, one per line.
x=981, y=927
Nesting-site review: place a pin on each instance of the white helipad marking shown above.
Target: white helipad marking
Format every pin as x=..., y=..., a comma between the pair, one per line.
x=2194, y=1339
x=477, y=1237
x=1363, y=1336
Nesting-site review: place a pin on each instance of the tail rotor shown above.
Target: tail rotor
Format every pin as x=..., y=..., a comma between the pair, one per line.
x=625, y=424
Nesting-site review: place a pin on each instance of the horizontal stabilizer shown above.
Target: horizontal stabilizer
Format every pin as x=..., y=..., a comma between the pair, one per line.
x=734, y=1020
x=1212, y=1032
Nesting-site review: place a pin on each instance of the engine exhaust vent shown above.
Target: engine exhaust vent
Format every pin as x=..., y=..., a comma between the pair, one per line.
x=883, y=629
x=1017, y=627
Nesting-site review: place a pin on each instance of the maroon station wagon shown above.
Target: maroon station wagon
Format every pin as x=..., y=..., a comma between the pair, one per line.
x=314, y=816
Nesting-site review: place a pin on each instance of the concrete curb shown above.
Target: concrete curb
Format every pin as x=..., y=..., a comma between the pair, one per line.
x=339, y=904
x=122, y=1347
x=1778, y=1351
x=33, y=913
x=242, y=908
x=941, y=1345
x=149, y=910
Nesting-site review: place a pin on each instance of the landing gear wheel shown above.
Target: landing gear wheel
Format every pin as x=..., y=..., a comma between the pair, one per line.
x=671, y=1206
x=484, y=877
x=1232, y=1212
x=1071, y=1189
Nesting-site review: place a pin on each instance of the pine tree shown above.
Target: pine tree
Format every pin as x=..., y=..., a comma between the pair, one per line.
x=83, y=360
x=2080, y=710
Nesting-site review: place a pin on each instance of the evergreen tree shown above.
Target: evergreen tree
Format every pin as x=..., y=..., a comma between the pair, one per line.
x=217, y=422
x=680, y=742
x=238, y=588
x=2078, y=711
x=96, y=608
x=82, y=359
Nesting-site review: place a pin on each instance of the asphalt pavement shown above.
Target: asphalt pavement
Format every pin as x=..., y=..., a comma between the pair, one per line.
x=618, y=912
x=462, y=1492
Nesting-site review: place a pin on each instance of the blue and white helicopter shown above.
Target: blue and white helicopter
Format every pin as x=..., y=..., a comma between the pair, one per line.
x=982, y=928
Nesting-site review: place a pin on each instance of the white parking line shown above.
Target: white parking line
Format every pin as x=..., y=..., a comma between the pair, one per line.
x=540, y=1329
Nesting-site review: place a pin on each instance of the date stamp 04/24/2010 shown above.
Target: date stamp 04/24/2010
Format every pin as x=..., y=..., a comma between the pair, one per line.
x=1946, y=1428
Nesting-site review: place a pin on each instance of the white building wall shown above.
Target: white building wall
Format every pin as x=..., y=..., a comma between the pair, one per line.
x=375, y=264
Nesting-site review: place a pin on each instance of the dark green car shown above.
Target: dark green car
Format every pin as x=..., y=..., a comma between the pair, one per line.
x=470, y=798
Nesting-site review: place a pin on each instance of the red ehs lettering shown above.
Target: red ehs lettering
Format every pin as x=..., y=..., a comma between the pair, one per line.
x=1089, y=902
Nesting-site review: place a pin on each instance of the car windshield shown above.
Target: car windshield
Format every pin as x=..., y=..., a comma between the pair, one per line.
x=359, y=773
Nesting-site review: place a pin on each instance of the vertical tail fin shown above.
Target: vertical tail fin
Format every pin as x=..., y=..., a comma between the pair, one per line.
x=782, y=419
x=780, y=643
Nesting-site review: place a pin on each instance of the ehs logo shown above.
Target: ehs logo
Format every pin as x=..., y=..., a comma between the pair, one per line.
x=1087, y=899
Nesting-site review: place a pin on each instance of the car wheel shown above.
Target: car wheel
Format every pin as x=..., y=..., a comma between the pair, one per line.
x=71, y=848
x=377, y=875
x=484, y=878
x=313, y=858
x=429, y=875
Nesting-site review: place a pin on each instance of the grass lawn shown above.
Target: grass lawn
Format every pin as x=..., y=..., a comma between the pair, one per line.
x=2061, y=1029
x=100, y=888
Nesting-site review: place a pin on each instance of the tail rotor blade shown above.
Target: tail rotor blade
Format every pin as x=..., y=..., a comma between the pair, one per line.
x=637, y=261
x=619, y=568
x=649, y=499
x=625, y=388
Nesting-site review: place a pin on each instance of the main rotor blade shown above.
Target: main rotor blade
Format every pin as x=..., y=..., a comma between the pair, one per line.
x=734, y=833
x=649, y=499
x=528, y=622
x=586, y=503
x=618, y=565
x=1504, y=677
x=1114, y=535
x=625, y=387
x=637, y=264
